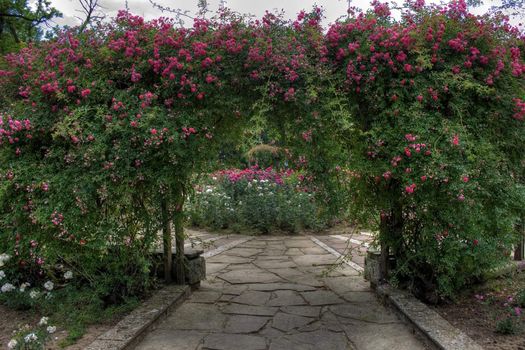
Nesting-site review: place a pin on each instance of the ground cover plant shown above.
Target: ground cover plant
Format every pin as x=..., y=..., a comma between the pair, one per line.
x=422, y=118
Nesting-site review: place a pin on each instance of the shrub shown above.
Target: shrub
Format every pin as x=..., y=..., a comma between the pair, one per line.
x=520, y=298
x=260, y=199
x=102, y=132
x=507, y=325
x=437, y=111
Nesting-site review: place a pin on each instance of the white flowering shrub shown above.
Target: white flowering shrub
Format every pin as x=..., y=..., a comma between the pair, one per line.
x=32, y=338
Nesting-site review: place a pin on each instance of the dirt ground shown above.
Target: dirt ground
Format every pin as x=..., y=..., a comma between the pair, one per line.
x=12, y=320
x=478, y=310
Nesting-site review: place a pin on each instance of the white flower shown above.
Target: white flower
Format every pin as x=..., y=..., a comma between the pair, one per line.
x=30, y=337
x=209, y=190
x=51, y=329
x=8, y=287
x=23, y=286
x=49, y=285
x=2, y=274
x=43, y=321
x=34, y=294
x=12, y=344
x=68, y=275
x=4, y=257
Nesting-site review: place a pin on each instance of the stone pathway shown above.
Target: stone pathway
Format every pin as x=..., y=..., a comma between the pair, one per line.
x=281, y=293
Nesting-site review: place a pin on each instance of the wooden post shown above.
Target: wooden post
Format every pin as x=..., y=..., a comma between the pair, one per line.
x=166, y=240
x=178, y=219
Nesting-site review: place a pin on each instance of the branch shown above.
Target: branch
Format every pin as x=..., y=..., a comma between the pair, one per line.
x=25, y=18
x=177, y=12
x=89, y=7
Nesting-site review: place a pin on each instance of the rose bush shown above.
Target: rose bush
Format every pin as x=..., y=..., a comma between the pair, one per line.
x=102, y=132
x=436, y=99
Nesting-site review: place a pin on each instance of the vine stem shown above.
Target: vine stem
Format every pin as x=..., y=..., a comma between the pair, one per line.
x=166, y=240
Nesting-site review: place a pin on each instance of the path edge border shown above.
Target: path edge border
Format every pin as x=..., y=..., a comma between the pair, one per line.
x=436, y=332
x=130, y=331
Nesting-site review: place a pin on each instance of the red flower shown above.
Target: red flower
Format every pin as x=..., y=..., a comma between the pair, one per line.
x=455, y=140
x=410, y=189
x=85, y=93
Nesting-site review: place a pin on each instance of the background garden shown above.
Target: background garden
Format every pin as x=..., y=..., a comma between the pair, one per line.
x=112, y=133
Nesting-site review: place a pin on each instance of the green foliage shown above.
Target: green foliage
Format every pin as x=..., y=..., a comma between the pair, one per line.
x=254, y=202
x=520, y=298
x=434, y=145
x=418, y=123
x=20, y=22
x=508, y=325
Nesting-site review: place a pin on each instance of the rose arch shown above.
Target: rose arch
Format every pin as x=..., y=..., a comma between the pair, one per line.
x=420, y=120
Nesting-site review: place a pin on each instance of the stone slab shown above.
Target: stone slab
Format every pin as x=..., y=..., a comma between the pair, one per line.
x=245, y=324
x=307, y=311
x=321, y=297
x=252, y=297
x=365, y=312
x=393, y=337
x=167, y=339
x=224, y=341
x=280, y=286
x=314, y=259
x=320, y=339
x=249, y=310
x=286, y=297
x=194, y=316
x=249, y=276
x=286, y=322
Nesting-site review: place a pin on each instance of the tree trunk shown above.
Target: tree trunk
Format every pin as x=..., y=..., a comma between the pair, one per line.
x=519, y=251
x=180, y=260
x=166, y=240
x=385, y=251
x=391, y=231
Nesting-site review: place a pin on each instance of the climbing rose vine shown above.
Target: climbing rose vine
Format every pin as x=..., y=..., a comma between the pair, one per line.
x=436, y=99
x=426, y=112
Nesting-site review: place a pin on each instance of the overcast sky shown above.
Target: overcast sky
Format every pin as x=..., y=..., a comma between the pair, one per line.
x=333, y=8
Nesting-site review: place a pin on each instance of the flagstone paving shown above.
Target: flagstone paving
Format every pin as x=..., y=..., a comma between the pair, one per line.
x=280, y=293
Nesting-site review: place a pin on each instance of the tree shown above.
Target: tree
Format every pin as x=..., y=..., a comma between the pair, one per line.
x=21, y=23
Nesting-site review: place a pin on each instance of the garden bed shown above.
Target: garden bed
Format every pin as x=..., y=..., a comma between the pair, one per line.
x=13, y=320
x=480, y=311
